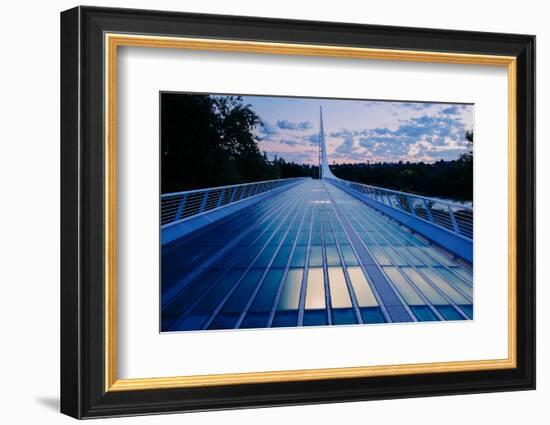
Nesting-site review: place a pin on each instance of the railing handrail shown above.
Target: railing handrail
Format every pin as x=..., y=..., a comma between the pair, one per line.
x=413, y=195
x=178, y=206
x=209, y=189
x=453, y=217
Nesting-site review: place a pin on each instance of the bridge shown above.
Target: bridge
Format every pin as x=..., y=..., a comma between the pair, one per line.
x=310, y=252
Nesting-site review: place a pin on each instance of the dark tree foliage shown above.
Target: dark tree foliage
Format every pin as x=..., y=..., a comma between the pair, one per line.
x=446, y=179
x=209, y=141
x=285, y=170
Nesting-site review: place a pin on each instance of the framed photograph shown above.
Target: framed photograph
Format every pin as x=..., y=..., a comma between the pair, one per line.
x=261, y=212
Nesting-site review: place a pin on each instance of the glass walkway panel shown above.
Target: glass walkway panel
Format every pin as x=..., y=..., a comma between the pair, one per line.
x=311, y=255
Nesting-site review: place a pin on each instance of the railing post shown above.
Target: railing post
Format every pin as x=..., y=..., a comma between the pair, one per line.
x=203, y=203
x=411, y=206
x=233, y=193
x=220, y=200
x=428, y=211
x=453, y=219
x=181, y=207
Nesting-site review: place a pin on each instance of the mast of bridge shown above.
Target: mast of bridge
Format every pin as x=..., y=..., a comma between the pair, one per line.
x=324, y=169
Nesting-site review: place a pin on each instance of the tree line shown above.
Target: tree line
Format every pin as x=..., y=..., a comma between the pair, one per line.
x=445, y=179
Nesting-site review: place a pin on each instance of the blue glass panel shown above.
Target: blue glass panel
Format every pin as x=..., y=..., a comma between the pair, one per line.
x=315, y=318
x=248, y=256
x=420, y=252
x=380, y=256
x=427, y=290
x=303, y=237
x=167, y=323
x=372, y=315
x=285, y=318
x=290, y=295
x=249, y=238
x=213, y=298
x=379, y=239
x=266, y=295
x=316, y=238
x=192, y=322
x=299, y=257
x=468, y=309
x=349, y=255
x=448, y=289
x=439, y=257
x=255, y=320
x=464, y=274
x=193, y=291
x=228, y=259
x=341, y=237
x=316, y=256
x=339, y=295
x=290, y=237
x=265, y=257
x=224, y=321
x=395, y=257
x=295, y=226
x=362, y=289
x=344, y=316
x=315, y=293
x=449, y=312
x=333, y=259
x=237, y=301
x=423, y=313
x=337, y=226
x=329, y=238
x=454, y=279
x=282, y=256
x=405, y=289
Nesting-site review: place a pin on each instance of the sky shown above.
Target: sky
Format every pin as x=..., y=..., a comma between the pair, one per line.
x=361, y=130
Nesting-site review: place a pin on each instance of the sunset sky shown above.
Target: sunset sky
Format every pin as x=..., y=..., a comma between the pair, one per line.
x=362, y=130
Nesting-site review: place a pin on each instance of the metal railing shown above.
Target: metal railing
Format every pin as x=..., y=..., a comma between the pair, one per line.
x=181, y=205
x=456, y=218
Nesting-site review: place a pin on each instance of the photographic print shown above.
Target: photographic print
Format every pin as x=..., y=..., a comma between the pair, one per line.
x=289, y=211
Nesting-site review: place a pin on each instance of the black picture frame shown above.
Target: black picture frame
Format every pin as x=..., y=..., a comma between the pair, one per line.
x=83, y=392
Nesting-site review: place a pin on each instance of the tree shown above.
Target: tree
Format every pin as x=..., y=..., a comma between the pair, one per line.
x=208, y=141
x=446, y=179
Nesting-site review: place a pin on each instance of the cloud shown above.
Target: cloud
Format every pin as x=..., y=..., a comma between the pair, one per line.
x=451, y=110
x=289, y=125
x=289, y=142
x=268, y=129
x=312, y=139
x=349, y=157
x=417, y=106
x=418, y=138
x=301, y=157
x=346, y=147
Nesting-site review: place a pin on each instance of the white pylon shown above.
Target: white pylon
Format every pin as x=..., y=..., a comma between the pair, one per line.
x=324, y=168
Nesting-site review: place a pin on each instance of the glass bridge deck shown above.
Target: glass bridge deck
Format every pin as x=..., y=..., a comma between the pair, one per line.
x=311, y=255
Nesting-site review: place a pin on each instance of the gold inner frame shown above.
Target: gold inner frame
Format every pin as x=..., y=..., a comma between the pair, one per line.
x=113, y=41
